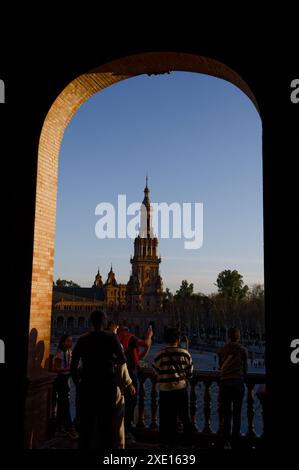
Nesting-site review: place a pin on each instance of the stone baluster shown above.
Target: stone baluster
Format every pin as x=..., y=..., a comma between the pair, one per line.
x=141, y=395
x=193, y=402
x=207, y=407
x=250, y=410
x=220, y=413
x=154, y=404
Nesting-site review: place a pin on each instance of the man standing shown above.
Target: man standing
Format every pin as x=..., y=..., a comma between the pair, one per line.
x=174, y=368
x=98, y=351
x=233, y=369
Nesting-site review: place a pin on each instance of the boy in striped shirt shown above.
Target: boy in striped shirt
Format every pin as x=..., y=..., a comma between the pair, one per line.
x=173, y=367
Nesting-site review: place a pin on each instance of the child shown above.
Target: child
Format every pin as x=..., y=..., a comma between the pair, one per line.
x=61, y=366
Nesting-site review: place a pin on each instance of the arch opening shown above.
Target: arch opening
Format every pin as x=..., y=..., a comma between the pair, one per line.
x=56, y=121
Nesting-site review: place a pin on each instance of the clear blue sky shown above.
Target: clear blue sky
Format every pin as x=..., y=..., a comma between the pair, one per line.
x=199, y=138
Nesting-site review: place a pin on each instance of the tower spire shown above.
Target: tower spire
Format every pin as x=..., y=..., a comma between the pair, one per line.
x=146, y=230
x=145, y=288
x=146, y=200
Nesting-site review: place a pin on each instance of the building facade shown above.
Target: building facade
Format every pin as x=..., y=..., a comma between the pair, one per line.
x=130, y=303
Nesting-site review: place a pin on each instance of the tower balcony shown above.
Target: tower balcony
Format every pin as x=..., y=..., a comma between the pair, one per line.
x=141, y=258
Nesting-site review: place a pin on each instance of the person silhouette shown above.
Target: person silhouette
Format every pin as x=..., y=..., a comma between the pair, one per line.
x=233, y=369
x=98, y=351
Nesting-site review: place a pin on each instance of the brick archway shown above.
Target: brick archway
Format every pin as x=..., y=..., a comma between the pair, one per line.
x=57, y=119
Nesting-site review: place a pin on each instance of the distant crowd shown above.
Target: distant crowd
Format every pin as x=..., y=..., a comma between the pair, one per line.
x=104, y=366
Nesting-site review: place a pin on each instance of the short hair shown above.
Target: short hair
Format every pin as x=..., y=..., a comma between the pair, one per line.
x=98, y=319
x=234, y=334
x=63, y=340
x=171, y=335
x=112, y=324
x=123, y=328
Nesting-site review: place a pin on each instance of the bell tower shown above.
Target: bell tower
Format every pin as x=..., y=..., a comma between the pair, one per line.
x=145, y=287
x=98, y=280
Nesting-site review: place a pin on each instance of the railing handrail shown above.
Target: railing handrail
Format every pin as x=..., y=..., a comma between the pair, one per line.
x=211, y=376
x=207, y=378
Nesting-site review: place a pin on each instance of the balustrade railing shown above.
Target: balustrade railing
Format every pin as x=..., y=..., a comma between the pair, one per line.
x=148, y=394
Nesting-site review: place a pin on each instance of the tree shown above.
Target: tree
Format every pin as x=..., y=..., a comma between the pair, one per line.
x=257, y=291
x=65, y=283
x=231, y=285
x=167, y=298
x=186, y=290
x=167, y=295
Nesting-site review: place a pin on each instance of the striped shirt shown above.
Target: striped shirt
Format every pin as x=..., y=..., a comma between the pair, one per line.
x=173, y=367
